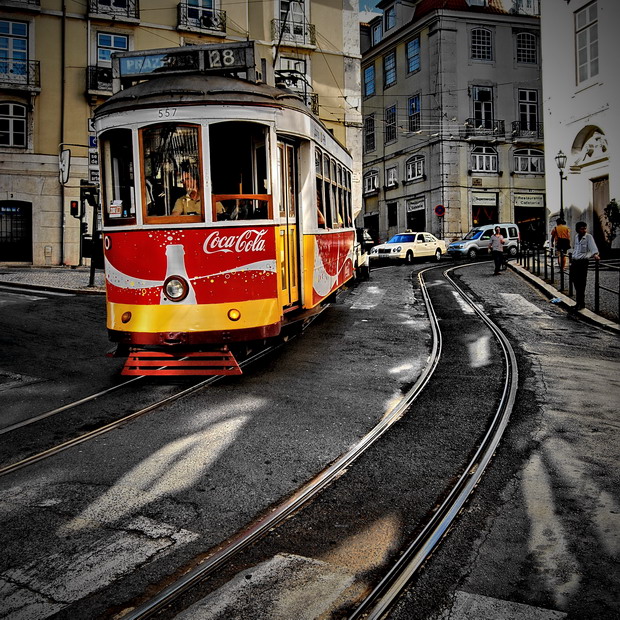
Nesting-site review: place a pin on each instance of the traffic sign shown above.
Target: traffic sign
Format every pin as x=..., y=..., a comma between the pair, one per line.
x=440, y=210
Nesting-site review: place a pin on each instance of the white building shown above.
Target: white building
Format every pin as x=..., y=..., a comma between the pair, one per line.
x=581, y=102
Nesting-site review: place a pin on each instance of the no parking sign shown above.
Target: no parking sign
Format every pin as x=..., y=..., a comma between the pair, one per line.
x=440, y=210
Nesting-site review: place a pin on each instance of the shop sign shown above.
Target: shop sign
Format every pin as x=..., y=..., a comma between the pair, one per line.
x=484, y=200
x=529, y=200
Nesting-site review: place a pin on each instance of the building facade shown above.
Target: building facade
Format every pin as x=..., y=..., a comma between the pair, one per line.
x=582, y=111
x=55, y=69
x=452, y=108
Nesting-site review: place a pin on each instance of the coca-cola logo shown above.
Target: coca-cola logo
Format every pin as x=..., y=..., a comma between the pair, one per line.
x=250, y=240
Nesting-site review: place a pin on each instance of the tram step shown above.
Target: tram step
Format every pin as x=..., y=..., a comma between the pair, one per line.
x=160, y=363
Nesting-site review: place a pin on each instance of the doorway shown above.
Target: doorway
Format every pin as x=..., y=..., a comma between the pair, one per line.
x=15, y=231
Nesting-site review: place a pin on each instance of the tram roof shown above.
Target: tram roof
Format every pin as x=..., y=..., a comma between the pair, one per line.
x=196, y=89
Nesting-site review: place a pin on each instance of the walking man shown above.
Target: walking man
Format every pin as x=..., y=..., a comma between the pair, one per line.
x=560, y=240
x=584, y=248
x=496, y=245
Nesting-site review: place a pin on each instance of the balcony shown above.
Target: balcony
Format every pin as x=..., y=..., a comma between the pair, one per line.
x=298, y=33
x=198, y=19
x=99, y=80
x=124, y=10
x=22, y=5
x=484, y=128
x=19, y=74
x=527, y=130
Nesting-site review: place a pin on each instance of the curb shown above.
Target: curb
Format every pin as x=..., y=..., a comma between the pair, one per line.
x=565, y=302
x=52, y=289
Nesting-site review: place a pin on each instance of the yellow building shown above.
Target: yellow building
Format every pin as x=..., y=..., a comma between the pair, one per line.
x=55, y=69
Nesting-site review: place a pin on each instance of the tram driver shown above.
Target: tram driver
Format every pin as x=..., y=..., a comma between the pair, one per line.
x=190, y=203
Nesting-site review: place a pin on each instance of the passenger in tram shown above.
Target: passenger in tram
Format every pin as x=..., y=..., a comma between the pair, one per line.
x=190, y=203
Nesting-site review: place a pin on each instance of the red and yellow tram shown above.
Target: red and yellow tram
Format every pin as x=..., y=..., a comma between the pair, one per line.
x=227, y=210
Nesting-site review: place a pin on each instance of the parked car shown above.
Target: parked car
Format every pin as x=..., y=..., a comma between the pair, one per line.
x=410, y=245
x=476, y=241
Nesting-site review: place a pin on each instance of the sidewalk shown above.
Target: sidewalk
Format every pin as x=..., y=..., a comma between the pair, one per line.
x=563, y=300
x=75, y=279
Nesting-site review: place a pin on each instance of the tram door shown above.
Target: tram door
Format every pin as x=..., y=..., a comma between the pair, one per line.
x=287, y=160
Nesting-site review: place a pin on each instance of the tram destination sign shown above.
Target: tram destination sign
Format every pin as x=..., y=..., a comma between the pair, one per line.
x=220, y=58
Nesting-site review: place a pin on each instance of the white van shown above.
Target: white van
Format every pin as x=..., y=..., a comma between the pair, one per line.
x=476, y=241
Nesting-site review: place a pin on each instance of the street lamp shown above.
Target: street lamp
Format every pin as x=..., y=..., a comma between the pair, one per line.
x=560, y=160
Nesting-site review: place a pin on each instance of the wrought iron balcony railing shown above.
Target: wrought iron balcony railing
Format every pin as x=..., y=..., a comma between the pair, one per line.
x=28, y=5
x=199, y=18
x=293, y=32
x=527, y=130
x=484, y=127
x=99, y=79
x=128, y=9
x=20, y=74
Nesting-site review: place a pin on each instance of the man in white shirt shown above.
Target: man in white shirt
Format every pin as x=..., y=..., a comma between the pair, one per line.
x=584, y=248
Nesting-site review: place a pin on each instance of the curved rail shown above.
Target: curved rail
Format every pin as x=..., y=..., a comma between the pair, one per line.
x=261, y=527
x=376, y=604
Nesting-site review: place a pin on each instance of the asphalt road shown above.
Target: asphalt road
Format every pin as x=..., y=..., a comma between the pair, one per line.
x=540, y=539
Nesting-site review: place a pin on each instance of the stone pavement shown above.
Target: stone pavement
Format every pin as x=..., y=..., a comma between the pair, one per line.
x=75, y=279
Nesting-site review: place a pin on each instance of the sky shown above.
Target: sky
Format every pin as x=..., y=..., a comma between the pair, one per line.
x=368, y=5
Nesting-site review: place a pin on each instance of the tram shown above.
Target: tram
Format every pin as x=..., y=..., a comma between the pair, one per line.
x=226, y=209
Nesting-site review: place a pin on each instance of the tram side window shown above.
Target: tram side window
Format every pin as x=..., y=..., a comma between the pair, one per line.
x=117, y=177
x=172, y=173
x=327, y=193
x=320, y=207
x=239, y=171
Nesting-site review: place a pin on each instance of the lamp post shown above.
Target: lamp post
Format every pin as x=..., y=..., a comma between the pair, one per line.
x=560, y=160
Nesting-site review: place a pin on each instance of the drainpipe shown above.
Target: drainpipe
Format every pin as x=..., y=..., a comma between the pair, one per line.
x=62, y=129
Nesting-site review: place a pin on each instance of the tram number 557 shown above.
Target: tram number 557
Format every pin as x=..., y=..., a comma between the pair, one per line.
x=166, y=112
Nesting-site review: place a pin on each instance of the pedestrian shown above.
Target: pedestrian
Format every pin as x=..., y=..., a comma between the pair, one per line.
x=560, y=240
x=496, y=245
x=584, y=248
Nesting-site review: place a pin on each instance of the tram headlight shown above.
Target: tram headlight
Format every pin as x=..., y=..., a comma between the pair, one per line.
x=234, y=314
x=176, y=288
x=126, y=317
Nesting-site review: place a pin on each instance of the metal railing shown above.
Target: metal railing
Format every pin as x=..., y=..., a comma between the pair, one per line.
x=200, y=18
x=527, y=130
x=603, y=285
x=99, y=79
x=21, y=74
x=293, y=32
x=484, y=127
x=117, y=8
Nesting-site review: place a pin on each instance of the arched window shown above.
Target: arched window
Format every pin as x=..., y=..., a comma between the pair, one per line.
x=12, y=124
x=415, y=168
x=529, y=161
x=481, y=44
x=527, y=50
x=484, y=159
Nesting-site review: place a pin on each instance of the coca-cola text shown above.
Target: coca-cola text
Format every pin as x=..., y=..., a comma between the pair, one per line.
x=250, y=240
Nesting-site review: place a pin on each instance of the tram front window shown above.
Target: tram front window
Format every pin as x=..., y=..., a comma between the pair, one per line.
x=239, y=171
x=172, y=165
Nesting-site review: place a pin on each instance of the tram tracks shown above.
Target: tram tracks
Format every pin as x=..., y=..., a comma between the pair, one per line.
x=223, y=558
x=106, y=428
x=396, y=577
